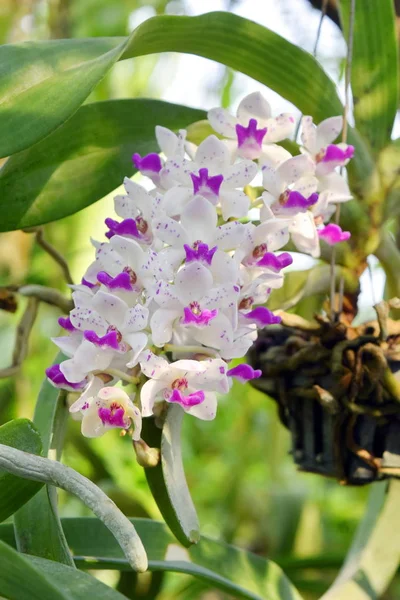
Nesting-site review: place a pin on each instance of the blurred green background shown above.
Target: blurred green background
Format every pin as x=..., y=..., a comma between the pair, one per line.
x=244, y=485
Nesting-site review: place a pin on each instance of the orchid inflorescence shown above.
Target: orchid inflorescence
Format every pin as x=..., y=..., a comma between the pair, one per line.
x=179, y=288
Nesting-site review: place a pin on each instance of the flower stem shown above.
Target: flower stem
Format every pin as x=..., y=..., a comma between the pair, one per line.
x=190, y=349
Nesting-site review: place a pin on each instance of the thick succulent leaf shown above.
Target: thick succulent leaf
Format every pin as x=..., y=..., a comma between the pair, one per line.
x=37, y=524
x=167, y=480
x=374, y=556
x=83, y=160
x=28, y=578
x=14, y=491
x=233, y=570
x=374, y=73
x=293, y=73
x=389, y=161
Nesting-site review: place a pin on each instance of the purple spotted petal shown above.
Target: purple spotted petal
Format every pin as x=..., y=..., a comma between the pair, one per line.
x=187, y=401
x=205, y=185
x=275, y=263
x=113, y=418
x=126, y=227
x=65, y=323
x=201, y=319
x=332, y=234
x=334, y=153
x=297, y=200
x=121, y=282
x=148, y=165
x=201, y=253
x=262, y=316
x=109, y=340
x=250, y=139
x=58, y=379
x=244, y=373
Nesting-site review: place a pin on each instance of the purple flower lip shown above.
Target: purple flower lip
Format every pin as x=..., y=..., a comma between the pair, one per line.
x=199, y=252
x=333, y=234
x=199, y=318
x=121, y=282
x=244, y=372
x=58, y=379
x=275, y=263
x=88, y=284
x=136, y=228
x=262, y=316
x=292, y=199
x=333, y=153
x=250, y=139
x=109, y=340
x=206, y=185
x=148, y=165
x=187, y=401
x=113, y=416
x=65, y=323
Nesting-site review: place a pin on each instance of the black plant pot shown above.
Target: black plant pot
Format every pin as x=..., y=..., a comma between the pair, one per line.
x=337, y=392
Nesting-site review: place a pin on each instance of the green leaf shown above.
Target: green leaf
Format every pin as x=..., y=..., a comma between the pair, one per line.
x=14, y=491
x=83, y=160
x=233, y=570
x=37, y=525
x=293, y=73
x=28, y=578
x=374, y=73
x=167, y=480
x=375, y=553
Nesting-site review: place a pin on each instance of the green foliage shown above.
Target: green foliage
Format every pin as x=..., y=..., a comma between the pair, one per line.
x=28, y=578
x=167, y=480
x=14, y=491
x=83, y=160
x=234, y=571
x=374, y=74
x=38, y=528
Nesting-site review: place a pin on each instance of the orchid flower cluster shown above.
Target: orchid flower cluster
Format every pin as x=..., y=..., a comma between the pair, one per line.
x=179, y=288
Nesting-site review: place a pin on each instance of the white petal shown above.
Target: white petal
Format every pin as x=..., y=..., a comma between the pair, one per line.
x=86, y=318
x=152, y=365
x=240, y=174
x=170, y=231
x=272, y=155
x=68, y=344
x=130, y=251
x=294, y=168
x=222, y=122
x=224, y=268
x=125, y=207
x=161, y=324
x=93, y=387
x=217, y=334
x=304, y=234
x=254, y=106
x=135, y=319
x=328, y=131
x=192, y=366
x=87, y=358
x=336, y=188
x=199, y=219
x=272, y=182
x=279, y=128
x=175, y=199
x=148, y=395
x=221, y=296
x=207, y=409
x=306, y=185
x=166, y=295
x=137, y=341
x=167, y=140
x=309, y=135
x=193, y=282
x=110, y=307
x=234, y=203
x=230, y=235
x=213, y=154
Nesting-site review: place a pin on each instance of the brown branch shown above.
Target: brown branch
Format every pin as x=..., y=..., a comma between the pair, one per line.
x=54, y=253
x=21, y=338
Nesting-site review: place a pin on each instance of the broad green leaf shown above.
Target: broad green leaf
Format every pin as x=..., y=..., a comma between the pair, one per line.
x=28, y=578
x=37, y=525
x=233, y=570
x=167, y=480
x=83, y=160
x=293, y=73
x=374, y=72
x=375, y=553
x=388, y=165
x=14, y=491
